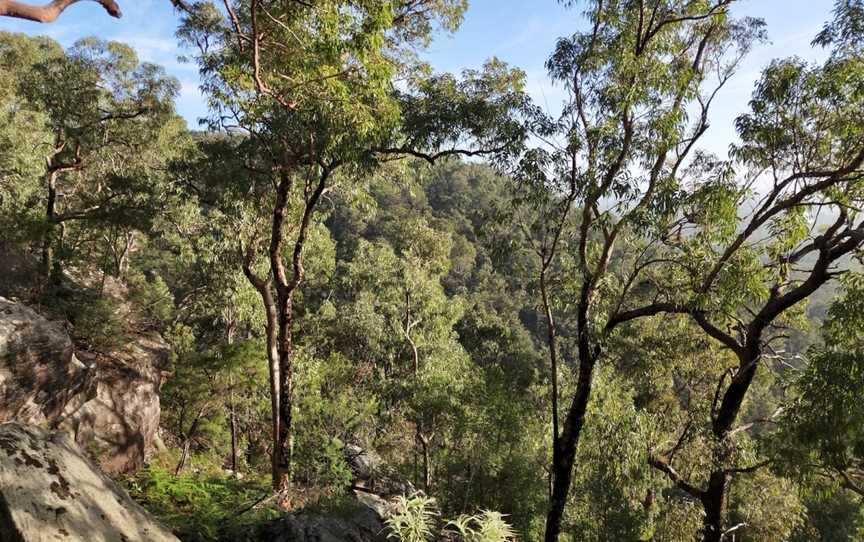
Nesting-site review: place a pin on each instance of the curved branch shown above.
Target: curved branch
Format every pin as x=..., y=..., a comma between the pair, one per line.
x=49, y=12
x=663, y=466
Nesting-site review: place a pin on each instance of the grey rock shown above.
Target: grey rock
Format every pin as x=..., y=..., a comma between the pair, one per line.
x=110, y=403
x=359, y=521
x=364, y=464
x=49, y=491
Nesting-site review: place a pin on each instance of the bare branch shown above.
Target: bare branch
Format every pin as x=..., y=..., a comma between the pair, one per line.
x=49, y=12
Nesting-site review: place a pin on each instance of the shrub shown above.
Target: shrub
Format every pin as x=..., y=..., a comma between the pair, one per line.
x=412, y=518
x=487, y=526
x=96, y=320
x=200, y=508
x=152, y=301
x=415, y=519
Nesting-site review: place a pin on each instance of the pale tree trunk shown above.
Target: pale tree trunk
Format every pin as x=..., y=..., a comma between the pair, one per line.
x=421, y=439
x=232, y=415
x=264, y=289
x=50, y=218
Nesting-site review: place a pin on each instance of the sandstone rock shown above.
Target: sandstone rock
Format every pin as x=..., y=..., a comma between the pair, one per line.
x=117, y=419
x=39, y=374
x=49, y=491
x=110, y=403
x=360, y=521
x=364, y=464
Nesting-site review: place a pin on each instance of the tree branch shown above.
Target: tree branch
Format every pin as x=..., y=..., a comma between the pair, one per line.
x=49, y=12
x=663, y=466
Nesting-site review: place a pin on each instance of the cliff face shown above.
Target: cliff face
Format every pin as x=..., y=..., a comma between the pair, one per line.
x=50, y=491
x=109, y=401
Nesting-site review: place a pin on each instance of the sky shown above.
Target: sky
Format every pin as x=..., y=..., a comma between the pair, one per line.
x=519, y=32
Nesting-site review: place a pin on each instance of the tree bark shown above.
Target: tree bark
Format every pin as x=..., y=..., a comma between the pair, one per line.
x=184, y=455
x=423, y=440
x=552, y=343
x=50, y=219
x=49, y=12
x=714, y=503
x=187, y=441
x=564, y=452
x=285, y=439
x=264, y=290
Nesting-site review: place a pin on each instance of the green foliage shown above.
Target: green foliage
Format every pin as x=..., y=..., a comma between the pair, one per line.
x=487, y=526
x=419, y=327
x=335, y=403
x=200, y=508
x=152, y=301
x=97, y=321
x=413, y=518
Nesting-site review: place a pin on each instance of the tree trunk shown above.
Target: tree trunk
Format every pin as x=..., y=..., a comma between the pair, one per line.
x=551, y=342
x=423, y=441
x=187, y=441
x=564, y=450
x=50, y=217
x=273, y=369
x=184, y=456
x=564, y=447
x=271, y=327
x=233, y=422
x=713, y=504
x=714, y=497
x=284, y=445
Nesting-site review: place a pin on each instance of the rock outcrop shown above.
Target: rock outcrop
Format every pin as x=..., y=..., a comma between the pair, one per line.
x=39, y=373
x=109, y=402
x=50, y=491
x=359, y=521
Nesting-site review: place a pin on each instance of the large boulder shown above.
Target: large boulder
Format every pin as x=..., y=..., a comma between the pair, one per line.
x=357, y=521
x=39, y=373
x=365, y=464
x=49, y=491
x=108, y=401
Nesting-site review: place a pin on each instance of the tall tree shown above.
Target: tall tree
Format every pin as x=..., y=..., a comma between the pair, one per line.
x=104, y=109
x=613, y=160
x=311, y=89
x=791, y=221
x=107, y=126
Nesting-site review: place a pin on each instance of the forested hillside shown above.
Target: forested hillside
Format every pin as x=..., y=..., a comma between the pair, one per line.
x=364, y=285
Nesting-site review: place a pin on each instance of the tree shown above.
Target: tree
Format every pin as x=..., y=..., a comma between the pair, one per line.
x=820, y=431
x=801, y=158
x=311, y=88
x=612, y=163
x=110, y=120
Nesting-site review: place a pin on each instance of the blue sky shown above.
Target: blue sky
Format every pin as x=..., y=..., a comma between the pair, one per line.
x=520, y=32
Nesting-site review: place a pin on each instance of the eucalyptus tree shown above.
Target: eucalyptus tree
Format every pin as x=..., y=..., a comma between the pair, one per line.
x=23, y=128
x=754, y=247
x=312, y=90
x=820, y=432
x=110, y=120
x=612, y=164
